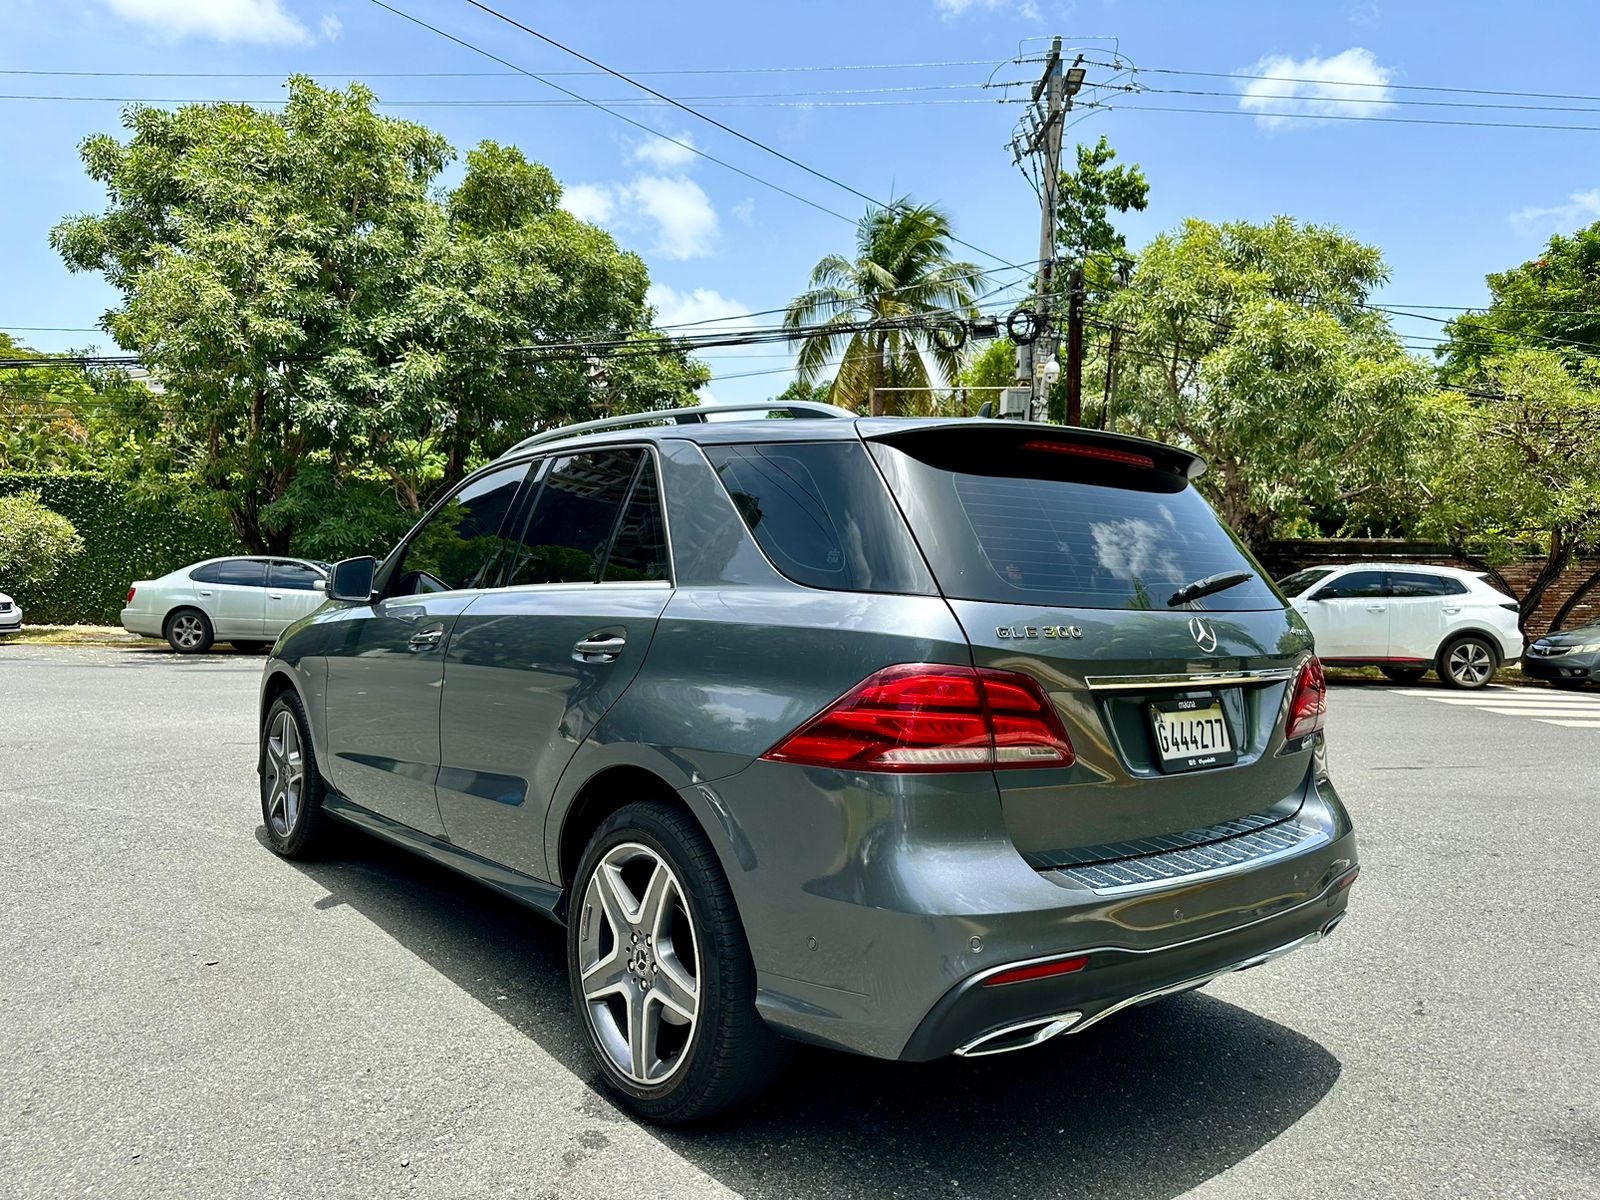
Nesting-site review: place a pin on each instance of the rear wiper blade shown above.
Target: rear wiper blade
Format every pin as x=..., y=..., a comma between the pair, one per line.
x=1208, y=586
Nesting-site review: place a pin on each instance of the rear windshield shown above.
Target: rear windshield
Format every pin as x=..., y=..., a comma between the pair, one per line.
x=1028, y=527
x=1301, y=580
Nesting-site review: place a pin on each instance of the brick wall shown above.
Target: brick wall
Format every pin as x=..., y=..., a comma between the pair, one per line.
x=1284, y=558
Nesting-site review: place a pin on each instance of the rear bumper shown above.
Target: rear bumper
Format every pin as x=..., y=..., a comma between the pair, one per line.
x=875, y=909
x=145, y=624
x=975, y=1018
x=11, y=622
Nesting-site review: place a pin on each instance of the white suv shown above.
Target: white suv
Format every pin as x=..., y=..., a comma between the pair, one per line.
x=1405, y=619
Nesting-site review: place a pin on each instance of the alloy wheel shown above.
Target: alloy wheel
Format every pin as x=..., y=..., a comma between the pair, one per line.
x=285, y=775
x=640, y=964
x=1471, y=664
x=188, y=631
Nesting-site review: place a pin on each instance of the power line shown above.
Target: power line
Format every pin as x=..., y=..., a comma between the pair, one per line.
x=1241, y=112
x=1405, y=87
x=916, y=66
x=1383, y=100
x=644, y=87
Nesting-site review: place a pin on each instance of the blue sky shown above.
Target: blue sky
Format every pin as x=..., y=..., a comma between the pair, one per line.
x=1445, y=203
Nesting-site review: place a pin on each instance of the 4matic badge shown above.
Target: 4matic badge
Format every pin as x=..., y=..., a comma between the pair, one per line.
x=1006, y=632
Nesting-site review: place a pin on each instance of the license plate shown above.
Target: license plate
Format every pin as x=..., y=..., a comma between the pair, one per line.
x=1191, y=734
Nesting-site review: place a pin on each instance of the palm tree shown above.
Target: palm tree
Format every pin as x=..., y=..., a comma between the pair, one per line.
x=882, y=309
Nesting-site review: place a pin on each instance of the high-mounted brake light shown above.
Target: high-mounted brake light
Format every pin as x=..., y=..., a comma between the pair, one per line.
x=1104, y=453
x=1308, y=711
x=931, y=717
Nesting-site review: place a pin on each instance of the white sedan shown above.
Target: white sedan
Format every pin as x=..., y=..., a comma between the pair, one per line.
x=10, y=615
x=1406, y=619
x=245, y=600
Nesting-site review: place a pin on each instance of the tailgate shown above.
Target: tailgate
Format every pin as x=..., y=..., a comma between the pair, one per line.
x=1091, y=563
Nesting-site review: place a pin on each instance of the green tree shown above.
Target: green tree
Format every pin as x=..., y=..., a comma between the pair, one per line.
x=57, y=418
x=1518, y=469
x=1252, y=345
x=877, y=313
x=34, y=541
x=1085, y=201
x=799, y=392
x=335, y=340
x=1550, y=303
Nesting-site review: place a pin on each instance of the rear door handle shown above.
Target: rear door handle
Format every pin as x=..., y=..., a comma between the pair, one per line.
x=1377, y=608
x=426, y=640
x=1452, y=609
x=603, y=648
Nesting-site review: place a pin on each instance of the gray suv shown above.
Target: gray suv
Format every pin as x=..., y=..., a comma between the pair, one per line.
x=904, y=737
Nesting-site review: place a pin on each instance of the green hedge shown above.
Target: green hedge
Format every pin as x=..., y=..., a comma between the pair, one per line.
x=122, y=542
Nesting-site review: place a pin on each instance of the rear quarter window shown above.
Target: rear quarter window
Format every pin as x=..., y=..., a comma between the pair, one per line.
x=821, y=514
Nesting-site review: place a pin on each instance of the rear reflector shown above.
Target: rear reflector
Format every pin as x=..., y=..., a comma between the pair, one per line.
x=1308, y=710
x=1103, y=453
x=930, y=717
x=1044, y=970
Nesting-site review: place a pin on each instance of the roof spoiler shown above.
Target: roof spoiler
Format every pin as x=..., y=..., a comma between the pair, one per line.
x=1092, y=443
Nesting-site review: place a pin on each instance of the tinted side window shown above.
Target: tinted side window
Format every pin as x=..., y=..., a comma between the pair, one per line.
x=1412, y=583
x=639, y=551
x=293, y=576
x=462, y=545
x=572, y=520
x=1300, y=581
x=1355, y=585
x=242, y=572
x=821, y=513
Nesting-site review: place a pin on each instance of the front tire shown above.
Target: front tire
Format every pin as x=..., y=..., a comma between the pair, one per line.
x=1468, y=663
x=291, y=786
x=661, y=973
x=188, y=631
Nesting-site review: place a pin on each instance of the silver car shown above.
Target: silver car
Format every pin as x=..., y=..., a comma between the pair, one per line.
x=10, y=615
x=245, y=600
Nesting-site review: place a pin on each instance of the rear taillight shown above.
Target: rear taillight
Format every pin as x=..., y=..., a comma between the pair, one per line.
x=928, y=717
x=1308, y=711
x=131, y=591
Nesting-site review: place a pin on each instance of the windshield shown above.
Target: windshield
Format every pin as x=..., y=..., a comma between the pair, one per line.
x=1044, y=528
x=1300, y=581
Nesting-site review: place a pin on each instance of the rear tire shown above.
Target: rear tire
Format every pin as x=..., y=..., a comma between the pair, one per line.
x=291, y=786
x=661, y=973
x=188, y=631
x=1468, y=663
x=1404, y=674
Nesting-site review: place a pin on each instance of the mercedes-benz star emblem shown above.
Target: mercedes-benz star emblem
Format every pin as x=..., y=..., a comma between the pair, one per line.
x=1204, y=636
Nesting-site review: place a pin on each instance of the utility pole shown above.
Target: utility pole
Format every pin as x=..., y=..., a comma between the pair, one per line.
x=1044, y=126
x=1075, y=348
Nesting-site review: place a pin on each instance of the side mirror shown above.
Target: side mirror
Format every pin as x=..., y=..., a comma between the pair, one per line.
x=351, y=579
x=319, y=585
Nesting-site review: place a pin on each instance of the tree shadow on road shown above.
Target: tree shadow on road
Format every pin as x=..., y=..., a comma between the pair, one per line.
x=1148, y=1104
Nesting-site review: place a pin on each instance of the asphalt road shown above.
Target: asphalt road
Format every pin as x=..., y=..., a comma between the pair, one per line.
x=183, y=1014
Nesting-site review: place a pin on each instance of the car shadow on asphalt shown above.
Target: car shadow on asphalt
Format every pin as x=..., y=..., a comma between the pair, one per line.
x=1148, y=1104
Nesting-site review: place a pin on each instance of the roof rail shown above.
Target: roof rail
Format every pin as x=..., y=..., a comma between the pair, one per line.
x=697, y=415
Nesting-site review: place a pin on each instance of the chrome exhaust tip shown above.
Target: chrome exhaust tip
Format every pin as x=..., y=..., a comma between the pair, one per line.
x=1019, y=1036
x=1332, y=925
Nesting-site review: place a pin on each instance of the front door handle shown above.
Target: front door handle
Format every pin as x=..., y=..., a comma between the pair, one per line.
x=601, y=648
x=426, y=640
x=1377, y=608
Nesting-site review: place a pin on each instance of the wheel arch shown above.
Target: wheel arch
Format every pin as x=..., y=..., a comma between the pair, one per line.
x=603, y=793
x=1477, y=631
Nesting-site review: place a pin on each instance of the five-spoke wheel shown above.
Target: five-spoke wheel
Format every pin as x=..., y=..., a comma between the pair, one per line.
x=640, y=963
x=291, y=788
x=662, y=978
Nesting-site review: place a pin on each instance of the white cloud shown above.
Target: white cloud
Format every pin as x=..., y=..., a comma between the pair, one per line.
x=1581, y=208
x=1028, y=10
x=330, y=27
x=705, y=308
x=744, y=211
x=686, y=224
x=663, y=155
x=264, y=21
x=674, y=209
x=1348, y=84
x=589, y=202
